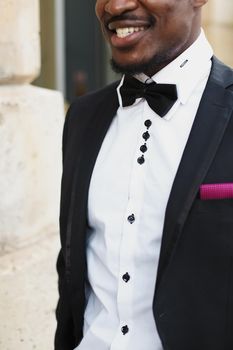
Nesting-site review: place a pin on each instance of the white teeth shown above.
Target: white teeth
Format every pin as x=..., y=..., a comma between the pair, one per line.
x=123, y=32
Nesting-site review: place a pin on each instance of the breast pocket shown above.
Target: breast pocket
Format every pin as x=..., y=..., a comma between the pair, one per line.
x=209, y=227
x=217, y=209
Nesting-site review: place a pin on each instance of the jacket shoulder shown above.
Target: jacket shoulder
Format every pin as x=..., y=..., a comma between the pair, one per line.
x=92, y=99
x=222, y=73
x=82, y=110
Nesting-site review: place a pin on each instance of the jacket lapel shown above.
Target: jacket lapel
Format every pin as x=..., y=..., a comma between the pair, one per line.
x=208, y=129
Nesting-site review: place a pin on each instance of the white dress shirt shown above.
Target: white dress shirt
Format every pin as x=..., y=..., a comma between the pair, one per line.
x=126, y=208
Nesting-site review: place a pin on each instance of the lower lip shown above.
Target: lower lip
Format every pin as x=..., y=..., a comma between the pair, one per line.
x=127, y=41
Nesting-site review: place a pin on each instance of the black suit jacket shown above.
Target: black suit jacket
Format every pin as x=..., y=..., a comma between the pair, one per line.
x=193, y=299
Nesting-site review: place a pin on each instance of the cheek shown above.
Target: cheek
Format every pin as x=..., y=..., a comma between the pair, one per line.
x=160, y=6
x=99, y=8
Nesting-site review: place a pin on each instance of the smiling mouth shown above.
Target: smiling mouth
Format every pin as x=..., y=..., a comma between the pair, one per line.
x=124, y=32
x=123, y=26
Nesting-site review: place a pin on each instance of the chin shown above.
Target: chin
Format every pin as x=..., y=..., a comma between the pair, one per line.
x=149, y=66
x=131, y=68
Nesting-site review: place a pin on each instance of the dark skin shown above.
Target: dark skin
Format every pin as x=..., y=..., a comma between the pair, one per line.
x=146, y=35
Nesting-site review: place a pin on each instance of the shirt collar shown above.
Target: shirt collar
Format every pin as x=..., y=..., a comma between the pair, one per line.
x=185, y=71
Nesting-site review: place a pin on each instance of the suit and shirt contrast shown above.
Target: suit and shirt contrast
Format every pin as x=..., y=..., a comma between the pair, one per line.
x=146, y=263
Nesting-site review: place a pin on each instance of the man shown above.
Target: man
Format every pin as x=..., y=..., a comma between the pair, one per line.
x=147, y=190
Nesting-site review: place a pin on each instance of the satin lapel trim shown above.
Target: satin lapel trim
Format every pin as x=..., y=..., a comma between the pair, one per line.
x=206, y=134
x=92, y=141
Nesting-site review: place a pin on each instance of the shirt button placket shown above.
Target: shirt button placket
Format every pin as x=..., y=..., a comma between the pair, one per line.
x=143, y=148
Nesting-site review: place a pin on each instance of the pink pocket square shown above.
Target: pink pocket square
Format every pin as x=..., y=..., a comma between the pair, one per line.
x=216, y=191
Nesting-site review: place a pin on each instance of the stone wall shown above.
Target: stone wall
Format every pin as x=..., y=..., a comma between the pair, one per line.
x=19, y=41
x=31, y=122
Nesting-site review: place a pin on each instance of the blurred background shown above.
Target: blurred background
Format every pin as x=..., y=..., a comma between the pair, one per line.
x=51, y=51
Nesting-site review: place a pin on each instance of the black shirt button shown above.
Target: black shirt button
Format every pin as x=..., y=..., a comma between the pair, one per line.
x=124, y=330
x=126, y=277
x=131, y=218
x=146, y=135
x=141, y=160
x=148, y=123
x=143, y=148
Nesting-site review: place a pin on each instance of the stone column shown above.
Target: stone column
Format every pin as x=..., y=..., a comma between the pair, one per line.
x=218, y=23
x=31, y=122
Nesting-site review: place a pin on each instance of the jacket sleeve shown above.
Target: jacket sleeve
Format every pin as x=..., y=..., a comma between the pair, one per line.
x=64, y=336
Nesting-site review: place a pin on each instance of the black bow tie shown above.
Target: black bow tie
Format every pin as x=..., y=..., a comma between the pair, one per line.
x=160, y=97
